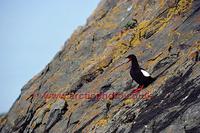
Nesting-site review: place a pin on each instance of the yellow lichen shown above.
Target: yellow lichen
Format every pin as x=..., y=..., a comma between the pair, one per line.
x=102, y=122
x=149, y=45
x=129, y=101
x=120, y=50
x=198, y=45
x=184, y=5
x=146, y=26
x=106, y=25
x=49, y=106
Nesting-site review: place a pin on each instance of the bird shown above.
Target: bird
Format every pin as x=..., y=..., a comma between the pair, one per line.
x=138, y=74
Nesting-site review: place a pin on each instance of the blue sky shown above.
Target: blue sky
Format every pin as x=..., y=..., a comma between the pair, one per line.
x=31, y=33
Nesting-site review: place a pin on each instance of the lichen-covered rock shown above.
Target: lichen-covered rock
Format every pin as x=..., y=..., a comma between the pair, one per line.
x=165, y=38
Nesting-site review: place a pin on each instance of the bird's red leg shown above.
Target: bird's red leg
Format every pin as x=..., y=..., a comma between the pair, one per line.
x=138, y=89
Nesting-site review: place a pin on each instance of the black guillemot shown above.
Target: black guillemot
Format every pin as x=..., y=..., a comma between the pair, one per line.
x=138, y=74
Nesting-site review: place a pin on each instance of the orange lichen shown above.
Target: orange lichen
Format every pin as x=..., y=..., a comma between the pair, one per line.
x=161, y=2
x=194, y=54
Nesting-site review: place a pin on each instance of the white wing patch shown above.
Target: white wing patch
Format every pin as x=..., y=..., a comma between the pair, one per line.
x=145, y=73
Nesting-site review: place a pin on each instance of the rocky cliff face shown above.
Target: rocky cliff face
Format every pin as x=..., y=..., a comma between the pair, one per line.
x=163, y=34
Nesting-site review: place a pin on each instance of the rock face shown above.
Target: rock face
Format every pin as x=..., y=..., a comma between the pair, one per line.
x=163, y=34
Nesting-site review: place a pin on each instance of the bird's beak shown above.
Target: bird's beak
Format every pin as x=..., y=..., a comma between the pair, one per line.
x=128, y=60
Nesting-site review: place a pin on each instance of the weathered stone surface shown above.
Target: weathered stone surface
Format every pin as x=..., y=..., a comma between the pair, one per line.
x=166, y=41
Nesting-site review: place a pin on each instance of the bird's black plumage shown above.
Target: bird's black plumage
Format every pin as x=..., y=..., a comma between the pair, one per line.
x=137, y=74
